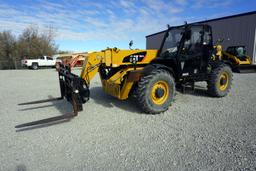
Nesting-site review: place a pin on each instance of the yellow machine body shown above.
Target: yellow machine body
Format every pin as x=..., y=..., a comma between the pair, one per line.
x=121, y=82
x=235, y=60
x=218, y=55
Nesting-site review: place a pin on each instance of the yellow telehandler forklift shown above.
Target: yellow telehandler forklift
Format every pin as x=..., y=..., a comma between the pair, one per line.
x=236, y=58
x=184, y=57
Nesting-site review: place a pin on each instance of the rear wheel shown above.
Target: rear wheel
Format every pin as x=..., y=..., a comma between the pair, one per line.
x=220, y=81
x=34, y=66
x=155, y=91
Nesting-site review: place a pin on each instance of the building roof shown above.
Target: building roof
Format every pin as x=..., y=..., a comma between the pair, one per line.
x=215, y=19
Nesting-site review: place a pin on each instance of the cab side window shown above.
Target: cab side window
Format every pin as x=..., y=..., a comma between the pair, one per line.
x=193, y=45
x=207, y=36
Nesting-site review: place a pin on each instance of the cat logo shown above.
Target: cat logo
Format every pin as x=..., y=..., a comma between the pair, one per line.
x=136, y=58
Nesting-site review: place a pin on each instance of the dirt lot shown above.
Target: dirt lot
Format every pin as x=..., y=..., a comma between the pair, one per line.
x=197, y=133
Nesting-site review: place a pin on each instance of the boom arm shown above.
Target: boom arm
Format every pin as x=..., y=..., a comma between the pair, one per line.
x=114, y=58
x=91, y=66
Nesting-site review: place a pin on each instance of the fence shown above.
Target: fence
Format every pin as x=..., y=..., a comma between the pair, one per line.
x=6, y=64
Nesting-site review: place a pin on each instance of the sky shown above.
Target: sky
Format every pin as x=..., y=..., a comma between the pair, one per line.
x=86, y=25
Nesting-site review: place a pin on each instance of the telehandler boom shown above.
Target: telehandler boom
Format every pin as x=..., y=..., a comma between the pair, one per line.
x=185, y=57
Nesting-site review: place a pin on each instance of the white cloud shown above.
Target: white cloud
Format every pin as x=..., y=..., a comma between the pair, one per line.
x=98, y=20
x=127, y=4
x=175, y=10
x=83, y=25
x=182, y=2
x=155, y=5
x=211, y=3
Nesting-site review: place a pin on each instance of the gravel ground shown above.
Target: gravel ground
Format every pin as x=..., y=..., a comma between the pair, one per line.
x=197, y=133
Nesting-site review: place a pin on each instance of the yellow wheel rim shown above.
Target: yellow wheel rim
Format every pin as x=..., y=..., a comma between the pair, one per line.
x=160, y=92
x=224, y=81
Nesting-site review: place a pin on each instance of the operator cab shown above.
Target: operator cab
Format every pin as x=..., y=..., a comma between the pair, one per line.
x=190, y=47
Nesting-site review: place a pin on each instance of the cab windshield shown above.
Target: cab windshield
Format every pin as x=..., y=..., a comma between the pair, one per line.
x=172, y=41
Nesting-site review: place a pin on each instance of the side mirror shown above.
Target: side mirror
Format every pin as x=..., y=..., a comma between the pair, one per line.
x=130, y=44
x=167, y=31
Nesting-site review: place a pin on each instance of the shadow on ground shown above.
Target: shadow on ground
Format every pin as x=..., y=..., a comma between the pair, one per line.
x=21, y=167
x=198, y=91
x=64, y=107
x=101, y=98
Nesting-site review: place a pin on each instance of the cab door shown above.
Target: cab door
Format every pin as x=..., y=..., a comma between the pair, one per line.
x=50, y=61
x=191, y=52
x=42, y=61
x=194, y=54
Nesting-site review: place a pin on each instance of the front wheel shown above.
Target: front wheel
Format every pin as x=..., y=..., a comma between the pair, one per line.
x=220, y=80
x=155, y=91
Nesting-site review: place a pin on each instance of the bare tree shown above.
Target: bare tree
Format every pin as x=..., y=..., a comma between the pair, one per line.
x=8, y=50
x=33, y=44
x=30, y=44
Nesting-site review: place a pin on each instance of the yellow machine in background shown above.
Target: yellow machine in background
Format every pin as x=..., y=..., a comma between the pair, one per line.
x=235, y=57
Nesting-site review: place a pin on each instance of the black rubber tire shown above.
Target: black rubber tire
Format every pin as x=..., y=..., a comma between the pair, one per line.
x=34, y=66
x=212, y=83
x=143, y=91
